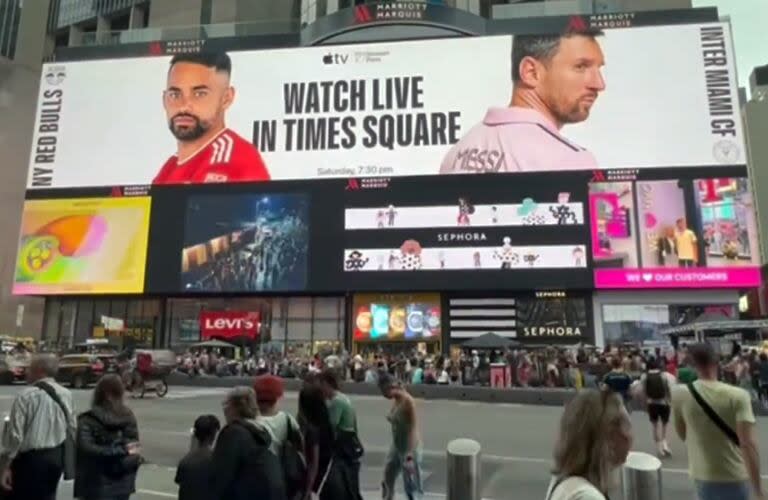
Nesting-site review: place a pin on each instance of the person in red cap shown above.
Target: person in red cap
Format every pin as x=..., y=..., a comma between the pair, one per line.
x=286, y=435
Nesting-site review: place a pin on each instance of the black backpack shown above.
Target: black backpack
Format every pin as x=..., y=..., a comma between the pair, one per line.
x=656, y=386
x=293, y=461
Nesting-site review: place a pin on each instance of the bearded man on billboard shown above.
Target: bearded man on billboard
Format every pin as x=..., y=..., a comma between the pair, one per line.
x=196, y=99
x=557, y=79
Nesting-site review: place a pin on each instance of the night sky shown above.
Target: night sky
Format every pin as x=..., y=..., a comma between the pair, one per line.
x=210, y=216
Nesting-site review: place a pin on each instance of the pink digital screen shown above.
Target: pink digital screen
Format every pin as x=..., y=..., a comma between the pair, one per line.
x=674, y=233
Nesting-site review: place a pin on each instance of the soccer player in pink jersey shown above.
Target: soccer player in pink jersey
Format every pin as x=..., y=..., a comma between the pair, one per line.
x=557, y=79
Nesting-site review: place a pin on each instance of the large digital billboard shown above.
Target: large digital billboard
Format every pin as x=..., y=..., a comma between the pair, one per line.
x=470, y=231
x=245, y=243
x=82, y=246
x=674, y=233
x=407, y=234
x=645, y=97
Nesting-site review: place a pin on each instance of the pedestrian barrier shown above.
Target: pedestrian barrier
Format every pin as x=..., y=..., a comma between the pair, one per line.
x=463, y=470
x=641, y=477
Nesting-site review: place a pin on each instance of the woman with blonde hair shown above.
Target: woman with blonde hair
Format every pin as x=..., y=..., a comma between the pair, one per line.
x=595, y=438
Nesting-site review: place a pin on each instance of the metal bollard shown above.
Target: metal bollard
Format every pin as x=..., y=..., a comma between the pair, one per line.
x=463, y=470
x=641, y=477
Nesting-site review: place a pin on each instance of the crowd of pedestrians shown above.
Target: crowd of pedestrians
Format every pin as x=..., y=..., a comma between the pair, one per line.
x=261, y=451
x=574, y=367
x=713, y=418
x=43, y=440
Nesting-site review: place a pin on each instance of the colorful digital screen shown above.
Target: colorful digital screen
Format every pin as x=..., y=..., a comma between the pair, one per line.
x=472, y=235
x=415, y=319
x=82, y=246
x=396, y=317
x=380, y=314
x=674, y=234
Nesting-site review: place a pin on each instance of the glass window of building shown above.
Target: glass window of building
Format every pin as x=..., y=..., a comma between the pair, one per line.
x=84, y=325
x=66, y=332
x=235, y=320
x=643, y=324
x=118, y=309
x=142, y=320
x=328, y=332
x=101, y=307
x=299, y=326
x=52, y=317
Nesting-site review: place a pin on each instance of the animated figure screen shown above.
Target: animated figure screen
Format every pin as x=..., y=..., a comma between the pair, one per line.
x=82, y=246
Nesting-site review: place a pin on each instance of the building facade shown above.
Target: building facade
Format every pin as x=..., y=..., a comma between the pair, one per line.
x=607, y=292
x=755, y=114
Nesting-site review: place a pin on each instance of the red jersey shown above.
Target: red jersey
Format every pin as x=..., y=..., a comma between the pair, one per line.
x=226, y=158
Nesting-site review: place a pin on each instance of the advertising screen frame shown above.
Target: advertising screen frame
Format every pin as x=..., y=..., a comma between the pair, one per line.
x=166, y=199
x=393, y=126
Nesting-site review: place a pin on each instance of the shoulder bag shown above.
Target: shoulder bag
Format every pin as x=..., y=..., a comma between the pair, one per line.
x=293, y=461
x=713, y=416
x=69, y=448
x=315, y=495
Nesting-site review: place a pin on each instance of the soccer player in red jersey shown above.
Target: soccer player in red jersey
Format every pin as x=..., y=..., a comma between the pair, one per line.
x=196, y=99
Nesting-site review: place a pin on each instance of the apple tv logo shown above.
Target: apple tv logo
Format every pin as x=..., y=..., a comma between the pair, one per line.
x=335, y=59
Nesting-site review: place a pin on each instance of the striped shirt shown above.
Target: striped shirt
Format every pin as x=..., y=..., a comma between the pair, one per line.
x=36, y=421
x=227, y=157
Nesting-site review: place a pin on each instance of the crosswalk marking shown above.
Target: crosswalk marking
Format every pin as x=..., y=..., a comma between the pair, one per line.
x=195, y=393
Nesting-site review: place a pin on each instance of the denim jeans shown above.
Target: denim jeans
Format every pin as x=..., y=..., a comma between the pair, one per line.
x=395, y=465
x=715, y=490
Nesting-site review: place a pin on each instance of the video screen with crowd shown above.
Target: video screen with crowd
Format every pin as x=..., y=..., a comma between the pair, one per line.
x=244, y=243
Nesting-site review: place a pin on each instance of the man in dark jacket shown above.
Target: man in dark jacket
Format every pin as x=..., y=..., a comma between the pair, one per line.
x=243, y=466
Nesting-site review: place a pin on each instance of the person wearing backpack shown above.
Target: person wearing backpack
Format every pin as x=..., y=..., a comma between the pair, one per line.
x=287, y=441
x=654, y=388
x=243, y=466
x=618, y=381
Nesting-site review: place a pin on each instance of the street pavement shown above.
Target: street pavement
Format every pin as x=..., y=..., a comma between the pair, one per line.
x=517, y=441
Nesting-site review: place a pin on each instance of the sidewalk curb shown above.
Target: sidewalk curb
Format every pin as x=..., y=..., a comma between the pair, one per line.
x=541, y=397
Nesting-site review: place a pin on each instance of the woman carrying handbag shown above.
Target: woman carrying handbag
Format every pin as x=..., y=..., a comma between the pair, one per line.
x=325, y=481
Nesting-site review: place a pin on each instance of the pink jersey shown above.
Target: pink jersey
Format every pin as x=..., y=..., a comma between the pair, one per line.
x=515, y=140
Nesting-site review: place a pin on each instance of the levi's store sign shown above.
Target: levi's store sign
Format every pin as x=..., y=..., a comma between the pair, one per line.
x=229, y=324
